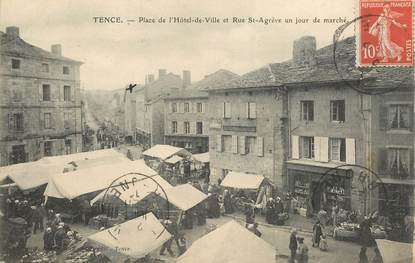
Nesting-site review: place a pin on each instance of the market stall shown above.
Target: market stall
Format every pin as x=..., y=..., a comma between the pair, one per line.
x=201, y=167
x=395, y=252
x=229, y=243
x=133, y=239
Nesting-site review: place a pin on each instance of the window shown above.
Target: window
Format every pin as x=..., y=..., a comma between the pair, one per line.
x=227, y=143
x=68, y=146
x=186, y=127
x=66, y=93
x=307, y=110
x=307, y=147
x=174, y=107
x=199, y=107
x=251, y=110
x=199, y=127
x=398, y=162
x=45, y=67
x=46, y=92
x=398, y=116
x=186, y=107
x=250, y=144
x=227, y=110
x=16, y=122
x=47, y=151
x=65, y=70
x=66, y=120
x=338, y=149
x=174, y=127
x=15, y=63
x=47, y=120
x=337, y=110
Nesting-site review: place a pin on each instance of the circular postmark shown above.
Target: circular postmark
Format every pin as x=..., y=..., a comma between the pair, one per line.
x=133, y=189
x=332, y=181
x=363, y=78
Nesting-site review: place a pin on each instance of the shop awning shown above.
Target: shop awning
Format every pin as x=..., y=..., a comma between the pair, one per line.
x=242, y=180
x=202, y=157
x=163, y=151
x=174, y=159
x=142, y=187
x=397, y=181
x=34, y=174
x=73, y=184
x=318, y=167
x=133, y=239
x=184, y=196
x=395, y=252
x=229, y=243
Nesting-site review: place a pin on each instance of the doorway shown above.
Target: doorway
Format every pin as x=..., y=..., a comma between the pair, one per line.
x=18, y=154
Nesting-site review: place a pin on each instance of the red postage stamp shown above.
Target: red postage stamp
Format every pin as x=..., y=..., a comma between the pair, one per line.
x=384, y=34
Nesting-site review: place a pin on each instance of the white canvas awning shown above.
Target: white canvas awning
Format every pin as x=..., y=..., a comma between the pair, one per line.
x=184, y=196
x=202, y=157
x=174, y=159
x=34, y=174
x=242, y=180
x=395, y=252
x=135, y=238
x=163, y=151
x=73, y=184
x=229, y=243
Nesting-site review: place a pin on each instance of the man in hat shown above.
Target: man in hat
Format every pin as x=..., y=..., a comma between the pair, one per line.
x=293, y=244
x=48, y=239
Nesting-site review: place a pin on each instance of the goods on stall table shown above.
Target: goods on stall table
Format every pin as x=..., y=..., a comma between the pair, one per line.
x=37, y=255
x=346, y=230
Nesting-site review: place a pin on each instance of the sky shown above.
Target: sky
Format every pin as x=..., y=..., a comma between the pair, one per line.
x=116, y=54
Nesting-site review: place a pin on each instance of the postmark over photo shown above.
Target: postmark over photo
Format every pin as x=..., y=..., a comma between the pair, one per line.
x=385, y=36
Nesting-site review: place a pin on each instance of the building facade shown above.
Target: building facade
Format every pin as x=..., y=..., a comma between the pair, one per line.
x=40, y=101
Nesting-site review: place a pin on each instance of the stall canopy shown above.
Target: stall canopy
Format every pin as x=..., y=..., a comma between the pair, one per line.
x=395, y=252
x=242, y=180
x=133, y=239
x=201, y=157
x=174, y=159
x=229, y=243
x=134, y=193
x=73, y=184
x=163, y=151
x=33, y=174
x=184, y=196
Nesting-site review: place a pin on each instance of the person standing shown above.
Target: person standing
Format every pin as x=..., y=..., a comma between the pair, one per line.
x=37, y=219
x=334, y=211
x=302, y=251
x=293, y=245
x=48, y=239
x=362, y=256
x=317, y=232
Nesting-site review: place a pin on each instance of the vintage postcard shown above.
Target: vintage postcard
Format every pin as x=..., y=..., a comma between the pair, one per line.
x=207, y=131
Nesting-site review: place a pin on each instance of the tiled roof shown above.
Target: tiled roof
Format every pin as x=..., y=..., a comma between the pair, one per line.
x=18, y=47
x=289, y=74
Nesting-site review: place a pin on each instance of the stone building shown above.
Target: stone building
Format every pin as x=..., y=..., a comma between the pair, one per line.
x=186, y=119
x=40, y=101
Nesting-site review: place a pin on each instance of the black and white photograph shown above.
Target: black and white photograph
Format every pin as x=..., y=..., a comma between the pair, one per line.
x=177, y=131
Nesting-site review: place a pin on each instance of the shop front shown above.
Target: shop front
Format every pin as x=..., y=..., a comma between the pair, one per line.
x=318, y=188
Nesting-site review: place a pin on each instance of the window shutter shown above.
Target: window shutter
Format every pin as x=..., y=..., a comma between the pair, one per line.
x=234, y=144
x=242, y=141
x=11, y=121
x=180, y=128
x=350, y=151
x=247, y=110
x=61, y=93
x=72, y=93
x=382, y=161
x=219, y=143
x=169, y=128
x=223, y=110
x=324, y=149
x=317, y=149
x=52, y=121
x=260, y=146
x=252, y=111
x=383, y=118
x=193, y=127
x=295, y=147
x=42, y=120
x=40, y=92
x=228, y=107
x=205, y=127
x=203, y=107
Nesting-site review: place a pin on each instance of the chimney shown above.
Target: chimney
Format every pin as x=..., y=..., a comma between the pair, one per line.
x=186, y=78
x=162, y=73
x=304, y=51
x=12, y=31
x=149, y=78
x=56, y=49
